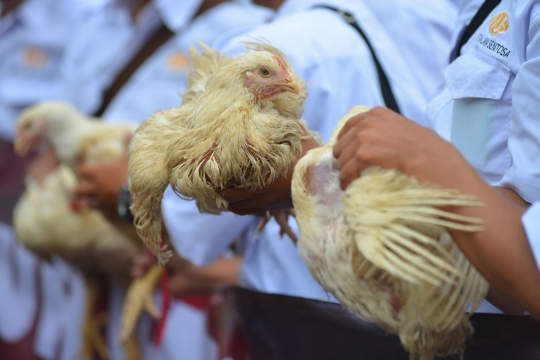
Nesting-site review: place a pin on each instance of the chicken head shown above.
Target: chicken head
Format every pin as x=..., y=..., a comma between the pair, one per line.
x=270, y=77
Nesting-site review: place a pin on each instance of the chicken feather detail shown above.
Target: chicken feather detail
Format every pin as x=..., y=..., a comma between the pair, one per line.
x=382, y=249
x=244, y=126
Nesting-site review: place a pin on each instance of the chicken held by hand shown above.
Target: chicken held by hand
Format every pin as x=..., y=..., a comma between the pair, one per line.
x=382, y=249
x=244, y=128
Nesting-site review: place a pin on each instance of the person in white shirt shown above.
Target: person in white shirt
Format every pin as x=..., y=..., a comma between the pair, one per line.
x=326, y=51
x=506, y=252
x=157, y=84
x=103, y=47
x=43, y=302
x=490, y=89
x=33, y=39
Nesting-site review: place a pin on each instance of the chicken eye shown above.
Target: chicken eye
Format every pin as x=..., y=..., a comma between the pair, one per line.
x=264, y=72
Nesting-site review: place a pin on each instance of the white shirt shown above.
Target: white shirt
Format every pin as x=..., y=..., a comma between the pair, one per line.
x=328, y=52
x=42, y=301
x=334, y=57
x=33, y=38
x=158, y=83
x=531, y=223
x=100, y=49
x=486, y=107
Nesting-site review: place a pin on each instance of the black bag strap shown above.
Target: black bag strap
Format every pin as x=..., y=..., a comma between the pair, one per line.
x=386, y=90
x=481, y=15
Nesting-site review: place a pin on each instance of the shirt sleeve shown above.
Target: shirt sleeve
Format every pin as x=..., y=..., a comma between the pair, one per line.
x=531, y=223
x=200, y=238
x=524, y=140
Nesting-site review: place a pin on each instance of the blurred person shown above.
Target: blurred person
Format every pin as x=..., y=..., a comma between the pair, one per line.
x=506, y=252
x=154, y=82
x=38, y=41
x=42, y=303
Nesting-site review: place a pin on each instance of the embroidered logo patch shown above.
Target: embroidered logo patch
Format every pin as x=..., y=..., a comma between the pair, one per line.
x=177, y=61
x=34, y=58
x=499, y=23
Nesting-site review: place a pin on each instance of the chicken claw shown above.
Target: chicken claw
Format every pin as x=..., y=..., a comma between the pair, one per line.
x=93, y=339
x=138, y=298
x=93, y=342
x=282, y=218
x=263, y=222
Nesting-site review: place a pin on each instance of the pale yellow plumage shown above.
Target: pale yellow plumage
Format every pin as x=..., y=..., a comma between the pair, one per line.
x=382, y=250
x=44, y=220
x=73, y=137
x=46, y=224
x=228, y=129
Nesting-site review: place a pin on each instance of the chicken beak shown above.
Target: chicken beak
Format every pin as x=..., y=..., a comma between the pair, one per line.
x=291, y=87
x=22, y=144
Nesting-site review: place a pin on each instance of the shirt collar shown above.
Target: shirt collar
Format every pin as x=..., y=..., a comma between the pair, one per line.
x=177, y=13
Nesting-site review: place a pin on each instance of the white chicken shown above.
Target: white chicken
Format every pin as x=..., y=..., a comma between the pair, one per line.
x=381, y=248
x=46, y=223
x=240, y=122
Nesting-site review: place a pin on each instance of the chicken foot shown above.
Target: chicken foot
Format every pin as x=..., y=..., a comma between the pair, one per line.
x=93, y=341
x=282, y=218
x=139, y=297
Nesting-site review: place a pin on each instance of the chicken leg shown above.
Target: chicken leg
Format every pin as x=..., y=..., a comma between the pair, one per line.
x=93, y=341
x=282, y=218
x=139, y=298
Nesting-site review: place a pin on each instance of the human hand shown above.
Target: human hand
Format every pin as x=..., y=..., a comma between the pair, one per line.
x=381, y=137
x=276, y=195
x=142, y=261
x=100, y=183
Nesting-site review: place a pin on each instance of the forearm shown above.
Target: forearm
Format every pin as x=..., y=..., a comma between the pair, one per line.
x=223, y=272
x=192, y=280
x=501, y=251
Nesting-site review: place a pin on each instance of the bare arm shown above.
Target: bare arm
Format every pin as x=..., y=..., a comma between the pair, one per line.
x=198, y=280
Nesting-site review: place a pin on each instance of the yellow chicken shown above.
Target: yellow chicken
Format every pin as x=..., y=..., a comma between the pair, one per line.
x=240, y=122
x=382, y=249
x=46, y=223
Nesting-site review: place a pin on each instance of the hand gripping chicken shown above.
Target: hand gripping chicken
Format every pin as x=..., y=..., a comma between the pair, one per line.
x=45, y=221
x=240, y=123
x=381, y=248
